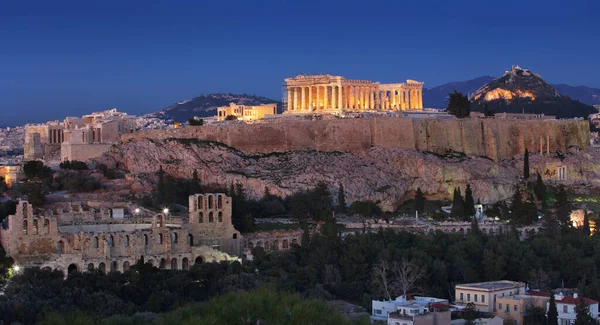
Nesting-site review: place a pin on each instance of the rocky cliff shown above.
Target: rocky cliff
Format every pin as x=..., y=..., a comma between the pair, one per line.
x=389, y=175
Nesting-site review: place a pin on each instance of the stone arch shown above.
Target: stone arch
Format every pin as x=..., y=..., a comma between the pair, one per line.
x=200, y=202
x=163, y=264
x=90, y=267
x=294, y=241
x=267, y=245
x=111, y=241
x=35, y=227
x=102, y=268
x=185, y=264
x=285, y=244
x=24, y=227
x=96, y=242
x=211, y=219
x=72, y=268
x=60, y=247
x=275, y=245
x=453, y=229
x=199, y=260
x=200, y=217
x=211, y=201
x=125, y=266
x=259, y=243
x=461, y=230
x=160, y=238
x=174, y=264
x=145, y=240
x=114, y=266
x=219, y=201
x=190, y=240
x=219, y=216
x=173, y=238
x=250, y=245
x=126, y=240
x=46, y=226
x=235, y=236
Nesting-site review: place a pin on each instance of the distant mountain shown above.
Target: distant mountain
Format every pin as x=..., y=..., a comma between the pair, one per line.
x=437, y=97
x=206, y=105
x=520, y=90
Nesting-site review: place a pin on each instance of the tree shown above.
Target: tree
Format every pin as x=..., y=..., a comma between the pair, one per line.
x=563, y=209
x=583, y=316
x=458, y=205
x=541, y=193
x=398, y=278
x=195, y=122
x=367, y=209
x=469, y=202
x=526, y=165
x=381, y=270
x=458, y=105
x=3, y=186
x=586, y=224
x=195, y=183
x=487, y=112
x=36, y=169
x=469, y=314
x=160, y=187
x=341, y=199
x=552, y=315
x=230, y=118
x=420, y=201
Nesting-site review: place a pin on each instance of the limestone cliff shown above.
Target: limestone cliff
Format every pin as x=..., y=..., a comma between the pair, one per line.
x=389, y=175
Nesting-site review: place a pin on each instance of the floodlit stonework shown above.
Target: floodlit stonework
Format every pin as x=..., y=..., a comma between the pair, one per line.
x=76, y=138
x=324, y=93
x=11, y=173
x=78, y=237
x=246, y=112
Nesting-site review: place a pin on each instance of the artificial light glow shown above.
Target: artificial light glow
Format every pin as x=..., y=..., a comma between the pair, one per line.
x=505, y=94
x=16, y=268
x=137, y=210
x=166, y=210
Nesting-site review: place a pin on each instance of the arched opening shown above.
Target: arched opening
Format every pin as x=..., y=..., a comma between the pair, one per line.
x=453, y=229
x=163, y=264
x=102, y=268
x=201, y=202
x=174, y=264
x=185, y=264
x=73, y=268
x=220, y=216
x=151, y=262
x=96, y=242
x=160, y=238
x=210, y=217
x=234, y=236
x=60, y=247
x=259, y=244
x=275, y=245
x=294, y=241
x=250, y=245
x=125, y=266
x=146, y=240
x=461, y=231
x=267, y=246
x=200, y=217
x=210, y=201
x=111, y=241
x=35, y=227
x=113, y=266
x=46, y=226
x=199, y=260
x=220, y=202
x=24, y=227
x=90, y=267
x=174, y=238
x=127, y=241
x=285, y=244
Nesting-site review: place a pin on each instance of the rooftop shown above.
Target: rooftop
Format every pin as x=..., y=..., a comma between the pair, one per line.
x=492, y=285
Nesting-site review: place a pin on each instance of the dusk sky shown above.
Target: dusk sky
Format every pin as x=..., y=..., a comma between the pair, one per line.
x=68, y=58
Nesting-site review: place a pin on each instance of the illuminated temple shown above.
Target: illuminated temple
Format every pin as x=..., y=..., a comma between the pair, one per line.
x=329, y=94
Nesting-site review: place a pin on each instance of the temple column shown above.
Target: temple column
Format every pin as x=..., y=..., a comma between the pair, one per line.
x=302, y=98
x=296, y=106
x=363, y=96
x=318, y=101
x=289, y=98
x=326, y=97
x=352, y=97
x=340, y=98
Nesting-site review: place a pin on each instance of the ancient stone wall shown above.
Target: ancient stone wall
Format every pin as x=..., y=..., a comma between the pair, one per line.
x=496, y=139
x=82, y=152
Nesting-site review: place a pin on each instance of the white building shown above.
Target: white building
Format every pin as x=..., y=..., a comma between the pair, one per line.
x=412, y=306
x=566, y=306
x=483, y=294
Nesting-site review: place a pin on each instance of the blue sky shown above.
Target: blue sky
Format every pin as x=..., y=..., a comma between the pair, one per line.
x=61, y=58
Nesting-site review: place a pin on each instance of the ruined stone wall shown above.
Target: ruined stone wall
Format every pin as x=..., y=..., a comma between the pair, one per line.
x=496, y=139
x=82, y=152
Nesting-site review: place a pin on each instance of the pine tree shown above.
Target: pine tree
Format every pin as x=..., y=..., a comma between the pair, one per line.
x=583, y=314
x=526, y=165
x=586, y=224
x=517, y=208
x=341, y=199
x=420, y=201
x=458, y=105
x=458, y=205
x=195, y=185
x=563, y=209
x=469, y=202
x=552, y=314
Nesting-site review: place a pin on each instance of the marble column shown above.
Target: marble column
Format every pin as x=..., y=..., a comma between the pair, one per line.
x=340, y=98
x=295, y=106
x=302, y=97
x=326, y=97
x=318, y=101
x=289, y=98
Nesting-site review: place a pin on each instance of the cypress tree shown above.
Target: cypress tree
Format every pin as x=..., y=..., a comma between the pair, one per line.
x=586, y=224
x=582, y=311
x=526, y=165
x=458, y=205
x=540, y=191
x=563, y=209
x=552, y=314
x=419, y=201
x=341, y=199
x=469, y=202
x=160, y=187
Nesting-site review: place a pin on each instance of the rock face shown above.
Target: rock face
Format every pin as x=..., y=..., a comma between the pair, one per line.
x=389, y=175
x=492, y=138
x=520, y=90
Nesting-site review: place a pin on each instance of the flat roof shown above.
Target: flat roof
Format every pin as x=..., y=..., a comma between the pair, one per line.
x=492, y=285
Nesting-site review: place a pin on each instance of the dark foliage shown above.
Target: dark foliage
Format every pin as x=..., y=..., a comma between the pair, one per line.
x=458, y=105
x=73, y=165
x=196, y=122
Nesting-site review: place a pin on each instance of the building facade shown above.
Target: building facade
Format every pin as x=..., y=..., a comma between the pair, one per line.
x=327, y=94
x=11, y=174
x=246, y=112
x=566, y=306
x=484, y=295
x=83, y=239
x=517, y=307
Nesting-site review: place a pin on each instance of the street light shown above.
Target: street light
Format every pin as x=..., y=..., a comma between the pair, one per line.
x=166, y=211
x=16, y=269
x=137, y=211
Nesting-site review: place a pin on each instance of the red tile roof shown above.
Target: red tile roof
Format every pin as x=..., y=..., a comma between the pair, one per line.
x=570, y=300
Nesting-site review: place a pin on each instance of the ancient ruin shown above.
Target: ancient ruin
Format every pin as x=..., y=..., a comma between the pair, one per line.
x=246, y=112
x=324, y=93
x=76, y=138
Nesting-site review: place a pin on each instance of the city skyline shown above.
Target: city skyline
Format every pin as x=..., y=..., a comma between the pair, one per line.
x=68, y=58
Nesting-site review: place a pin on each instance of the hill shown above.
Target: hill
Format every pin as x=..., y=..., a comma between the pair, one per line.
x=206, y=105
x=586, y=95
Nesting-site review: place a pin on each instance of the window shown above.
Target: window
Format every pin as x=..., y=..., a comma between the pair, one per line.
x=35, y=227
x=516, y=308
x=160, y=238
x=210, y=217
x=200, y=217
x=468, y=297
x=46, y=226
x=24, y=227
x=565, y=309
x=507, y=308
x=96, y=242
x=220, y=216
x=146, y=240
x=482, y=298
x=462, y=297
x=127, y=241
x=378, y=311
x=475, y=297
x=499, y=306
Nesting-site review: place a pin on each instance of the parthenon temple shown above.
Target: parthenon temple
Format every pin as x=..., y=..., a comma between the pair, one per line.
x=329, y=94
